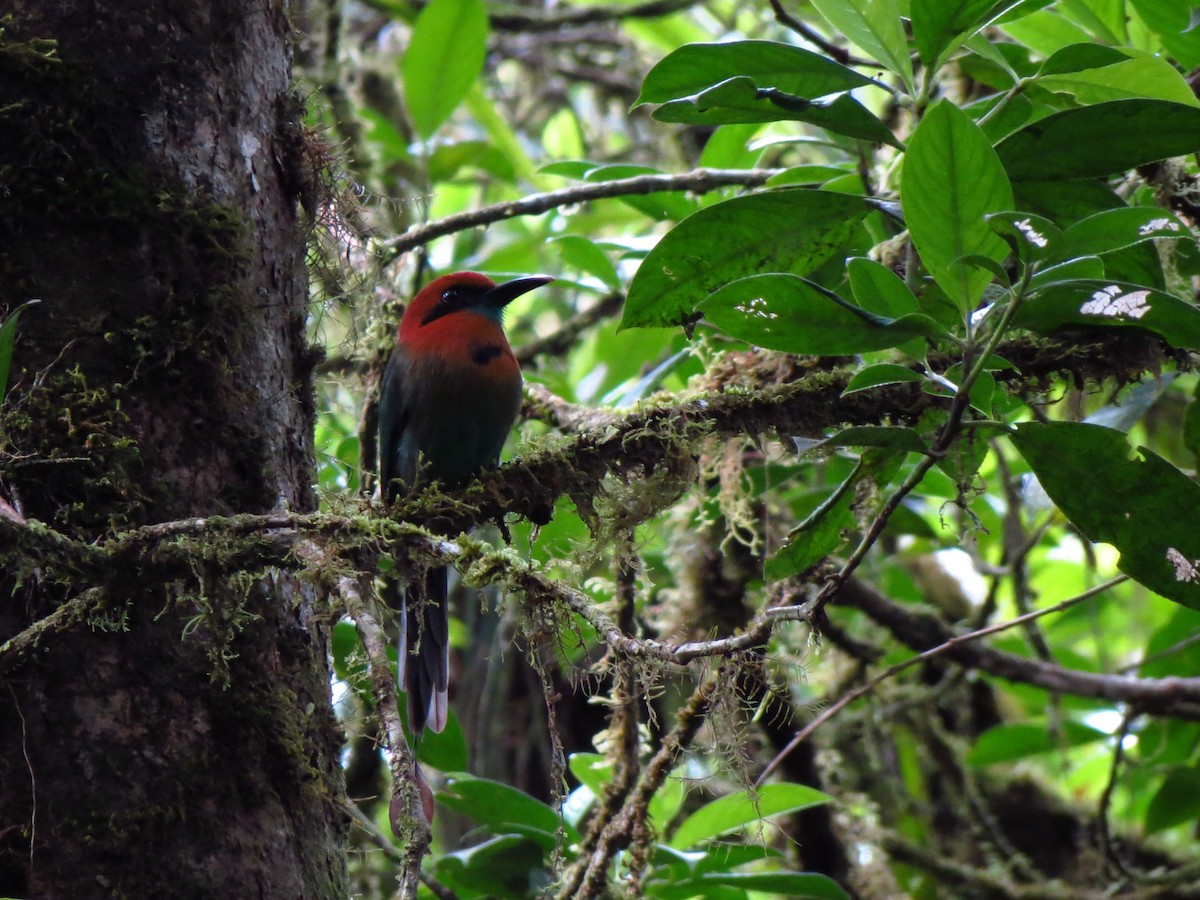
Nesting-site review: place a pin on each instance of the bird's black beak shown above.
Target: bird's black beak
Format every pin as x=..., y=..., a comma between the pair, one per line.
x=503, y=294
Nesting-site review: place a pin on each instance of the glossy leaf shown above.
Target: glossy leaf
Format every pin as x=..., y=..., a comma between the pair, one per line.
x=789, y=230
x=444, y=58
x=1080, y=57
x=789, y=313
x=1110, y=304
x=879, y=376
x=498, y=806
x=1174, y=23
x=878, y=289
x=817, y=536
x=876, y=27
x=8, y=336
x=1142, y=506
x=739, y=100
x=1114, y=229
x=940, y=25
x=952, y=179
x=1146, y=76
x=1098, y=140
x=1008, y=743
x=793, y=70
x=744, y=808
x=1031, y=236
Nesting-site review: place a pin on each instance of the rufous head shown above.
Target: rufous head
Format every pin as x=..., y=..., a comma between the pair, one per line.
x=464, y=294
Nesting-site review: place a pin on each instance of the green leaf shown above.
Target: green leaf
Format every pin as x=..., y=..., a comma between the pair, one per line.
x=1031, y=236
x=818, y=535
x=580, y=253
x=1078, y=57
x=880, y=375
x=1110, y=304
x=1102, y=139
x=941, y=25
x=1174, y=23
x=781, y=884
x=807, y=175
x=1006, y=743
x=886, y=437
x=1143, y=507
x=738, y=100
x=444, y=750
x=1147, y=76
x=593, y=770
x=1114, y=229
x=694, y=67
x=1177, y=801
x=448, y=159
x=952, y=179
x=1046, y=32
x=444, y=57
x=726, y=148
x=499, y=807
x=8, y=336
x=508, y=866
x=878, y=289
x=744, y=808
x=1081, y=268
x=876, y=27
x=792, y=314
x=789, y=230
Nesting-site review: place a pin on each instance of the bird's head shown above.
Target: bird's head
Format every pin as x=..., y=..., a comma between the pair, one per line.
x=452, y=297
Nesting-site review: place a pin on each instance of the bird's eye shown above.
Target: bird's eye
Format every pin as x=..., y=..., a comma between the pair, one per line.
x=449, y=295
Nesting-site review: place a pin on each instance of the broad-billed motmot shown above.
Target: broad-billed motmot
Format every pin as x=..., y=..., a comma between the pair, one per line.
x=450, y=396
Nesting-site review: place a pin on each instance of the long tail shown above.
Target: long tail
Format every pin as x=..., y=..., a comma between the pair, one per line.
x=425, y=652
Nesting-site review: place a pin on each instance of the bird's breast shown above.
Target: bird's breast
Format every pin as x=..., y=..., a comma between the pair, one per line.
x=464, y=406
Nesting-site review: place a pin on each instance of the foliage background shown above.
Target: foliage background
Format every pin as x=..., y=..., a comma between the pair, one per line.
x=1023, y=160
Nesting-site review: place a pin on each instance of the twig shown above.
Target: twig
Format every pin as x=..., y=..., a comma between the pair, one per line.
x=409, y=822
x=1179, y=697
x=65, y=617
x=944, y=647
x=589, y=876
x=698, y=181
x=1106, y=844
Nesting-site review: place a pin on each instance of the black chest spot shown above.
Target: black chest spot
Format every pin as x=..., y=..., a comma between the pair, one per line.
x=484, y=354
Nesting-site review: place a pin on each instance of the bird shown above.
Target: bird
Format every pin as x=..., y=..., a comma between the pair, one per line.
x=448, y=399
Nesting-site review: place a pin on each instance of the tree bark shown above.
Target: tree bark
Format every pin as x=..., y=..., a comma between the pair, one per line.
x=179, y=741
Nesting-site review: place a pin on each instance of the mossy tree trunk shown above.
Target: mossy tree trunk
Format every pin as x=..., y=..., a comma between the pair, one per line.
x=178, y=740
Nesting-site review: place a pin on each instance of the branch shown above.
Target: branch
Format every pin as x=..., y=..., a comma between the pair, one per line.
x=699, y=181
x=508, y=18
x=1178, y=697
x=589, y=876
x=67, y=616
x=410, y=812
x=955, y=640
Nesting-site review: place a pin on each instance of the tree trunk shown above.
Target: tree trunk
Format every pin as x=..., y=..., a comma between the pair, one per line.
x=178, y=739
